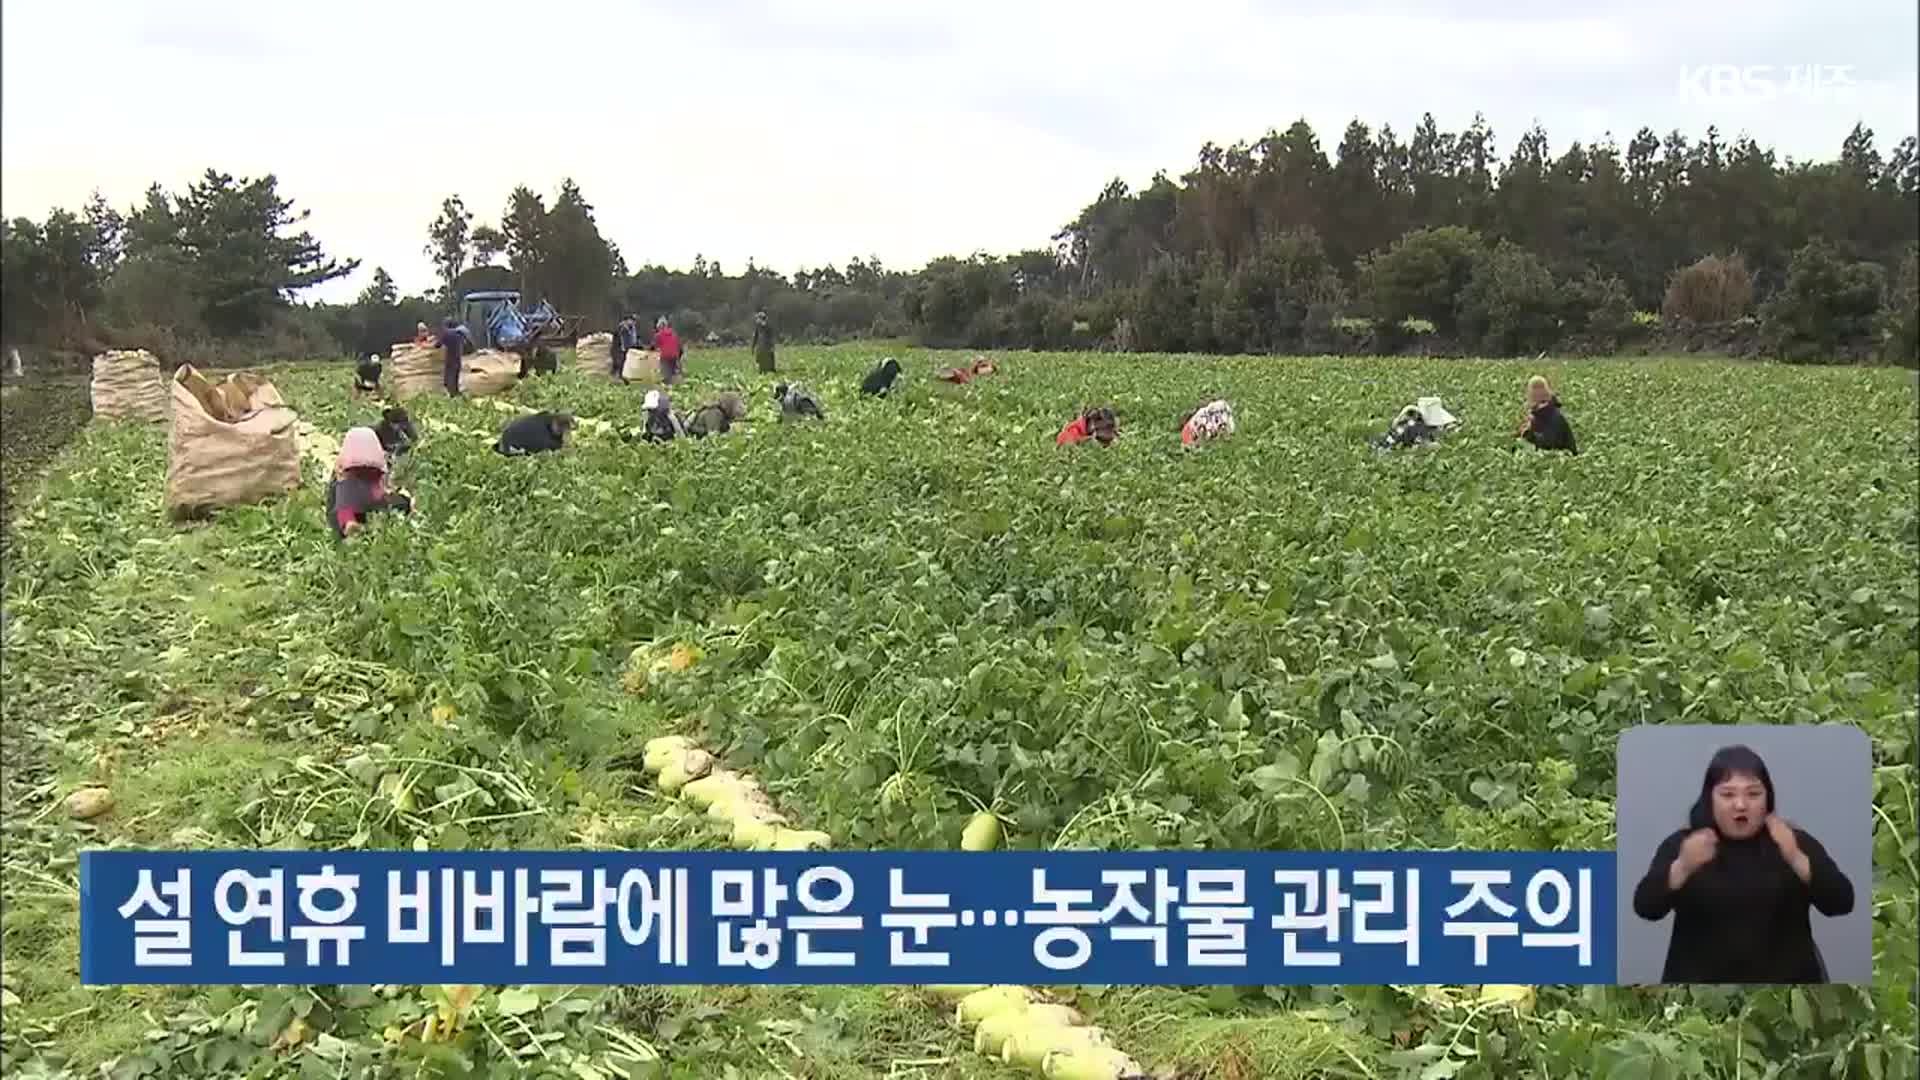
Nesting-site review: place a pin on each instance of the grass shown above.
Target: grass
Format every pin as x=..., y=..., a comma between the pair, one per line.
x=925, y=597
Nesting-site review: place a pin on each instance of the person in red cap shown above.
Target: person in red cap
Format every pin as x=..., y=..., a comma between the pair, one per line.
x=1100, y=425
x=667, y=343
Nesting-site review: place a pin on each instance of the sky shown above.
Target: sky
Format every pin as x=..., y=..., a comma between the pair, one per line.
x=801, y=134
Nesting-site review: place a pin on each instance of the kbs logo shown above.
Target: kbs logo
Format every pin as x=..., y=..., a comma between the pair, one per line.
x=1733, y=84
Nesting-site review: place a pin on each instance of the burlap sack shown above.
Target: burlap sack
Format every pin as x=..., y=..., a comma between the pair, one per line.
x=489, y=371
x=414, y=370
x=593, y=355
x=213, y=463
x=127, y=385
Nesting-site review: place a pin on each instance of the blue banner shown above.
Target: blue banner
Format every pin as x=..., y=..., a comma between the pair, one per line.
x=1169, y=918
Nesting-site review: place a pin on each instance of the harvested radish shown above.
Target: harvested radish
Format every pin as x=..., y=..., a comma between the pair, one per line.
x=1029, y=1046
x=1095, y=1063
x=953, y=991
x=664, y=749
x=717, y=786
x=982, y=833
x=690, y=765
x=749, y=834
x=981, y=1004
x=992, y=1034
x=797, y=840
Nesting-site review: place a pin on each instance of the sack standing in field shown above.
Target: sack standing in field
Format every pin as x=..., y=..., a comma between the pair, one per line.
x=127, y=385
x=593, y=355
x=232, y=443
x=418, y=369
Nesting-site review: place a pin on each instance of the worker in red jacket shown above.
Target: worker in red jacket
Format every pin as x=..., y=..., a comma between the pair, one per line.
x=1100, y=425
x=667, y=344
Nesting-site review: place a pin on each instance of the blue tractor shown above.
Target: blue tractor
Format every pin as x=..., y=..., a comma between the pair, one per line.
x=497, y=321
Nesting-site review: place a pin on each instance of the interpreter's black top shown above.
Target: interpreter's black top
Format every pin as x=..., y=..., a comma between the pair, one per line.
x=1550, y=430
x=531, y=434
x=1742, y=918
x=454, y=343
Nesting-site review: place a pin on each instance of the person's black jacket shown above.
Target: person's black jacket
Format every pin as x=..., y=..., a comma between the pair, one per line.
x=367, y=375
x=362, y=496
x=396, y=432
x=660, y=425
x=454, y=343
x=880, y=379
x=1742, y=918
x=534, y=434
x=1550, y=430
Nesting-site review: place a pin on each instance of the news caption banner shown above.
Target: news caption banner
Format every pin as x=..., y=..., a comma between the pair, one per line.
x=1172, y=918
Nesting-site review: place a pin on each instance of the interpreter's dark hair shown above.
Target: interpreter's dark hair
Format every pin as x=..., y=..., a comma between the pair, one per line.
x=1728, y=761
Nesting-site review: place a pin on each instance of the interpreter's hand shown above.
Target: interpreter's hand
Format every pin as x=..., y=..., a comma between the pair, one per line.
x=1782, y=832
x=1698, y=849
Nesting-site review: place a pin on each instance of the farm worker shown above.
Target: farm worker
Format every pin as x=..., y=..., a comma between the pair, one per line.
x=455, y=341
x=1418, y=424
x=960, y=376
x=1100, y=424
x=396, y=431
x=668, y=343
x=1741, y=882
x=423, y=337
x=359, y=484
x=535, y=433
x=717, y=416
x=762, y=342
x=625, y=336
x=1210, y=421
x=366, y=376
x=796, y=403
x=661, y=424
x=1543, y=425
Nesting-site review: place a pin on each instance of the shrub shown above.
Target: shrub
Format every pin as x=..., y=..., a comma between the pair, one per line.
x=690, y=325
x=1510, y=304
x=1828, y=310
x=1901, y=319
x=1600, y=308
x=1713, y=290
x=1163, y=307
x=1277, y=294
x=1422, y=276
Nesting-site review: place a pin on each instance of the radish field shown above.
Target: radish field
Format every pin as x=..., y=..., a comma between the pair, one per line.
x=922, y=607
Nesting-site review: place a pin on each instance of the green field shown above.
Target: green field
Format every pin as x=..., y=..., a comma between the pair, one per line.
x=921, y=606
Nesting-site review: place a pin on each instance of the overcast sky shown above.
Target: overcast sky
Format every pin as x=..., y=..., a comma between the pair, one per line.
x=804, y=133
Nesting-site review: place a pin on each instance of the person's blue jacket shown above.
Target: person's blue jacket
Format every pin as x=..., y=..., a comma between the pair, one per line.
x=456, y=341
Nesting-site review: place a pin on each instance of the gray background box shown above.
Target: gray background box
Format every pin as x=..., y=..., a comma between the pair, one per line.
x=1823, y=783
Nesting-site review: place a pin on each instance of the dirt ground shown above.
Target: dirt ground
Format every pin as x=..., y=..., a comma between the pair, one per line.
x=37, y=417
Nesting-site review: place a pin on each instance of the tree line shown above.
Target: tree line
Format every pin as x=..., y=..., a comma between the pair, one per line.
x=1432, y=244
